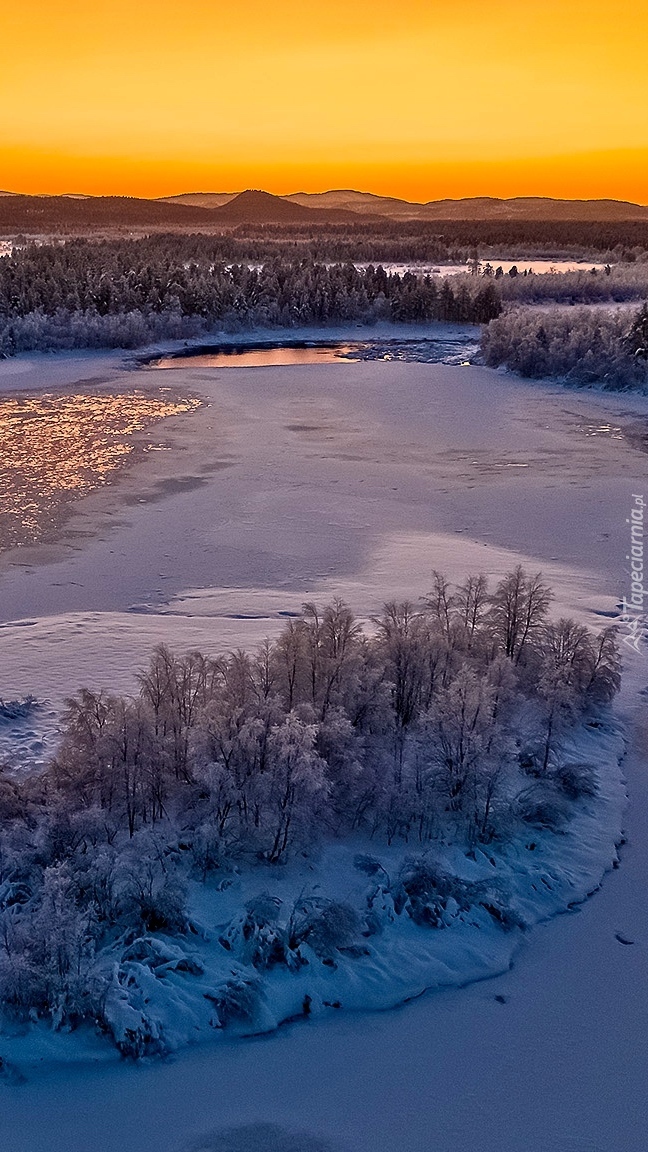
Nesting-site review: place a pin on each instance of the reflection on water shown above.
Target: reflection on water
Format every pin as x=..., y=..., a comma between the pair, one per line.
x=242, y=357
x=505, y=263
x=54, y=449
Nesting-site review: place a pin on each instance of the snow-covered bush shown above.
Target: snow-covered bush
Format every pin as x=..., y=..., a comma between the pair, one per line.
x=236, y=1001
x=265, y=935
x=543, y=806
x=576, y=780
x=11, y=710
x=48, y=951
x=328, y=927
x=430, y=896
x=256, y=936
x=152, y=892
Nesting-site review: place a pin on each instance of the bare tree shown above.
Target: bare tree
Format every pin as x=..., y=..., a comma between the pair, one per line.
x=519, y=607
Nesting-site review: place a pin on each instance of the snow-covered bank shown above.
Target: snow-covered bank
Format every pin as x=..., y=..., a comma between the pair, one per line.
x=531, y=881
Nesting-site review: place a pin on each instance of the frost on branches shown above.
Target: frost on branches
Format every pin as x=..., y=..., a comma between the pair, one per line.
x=310, y=810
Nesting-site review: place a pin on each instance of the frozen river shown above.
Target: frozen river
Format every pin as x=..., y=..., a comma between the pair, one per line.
x=304, y=481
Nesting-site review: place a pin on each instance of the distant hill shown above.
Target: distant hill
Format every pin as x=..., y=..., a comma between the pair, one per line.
x=211, y=211
x=253, y=206
x=256, y=207
x=45, y=214
x=199, y=199
x=473, y=208
x=532, y=208
x=468, y=208
x=361, y=202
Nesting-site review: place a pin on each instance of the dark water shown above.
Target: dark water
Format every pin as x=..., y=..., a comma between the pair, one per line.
x=438, y=351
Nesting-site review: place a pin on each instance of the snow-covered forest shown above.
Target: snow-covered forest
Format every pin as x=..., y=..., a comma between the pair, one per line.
x=439, y=727
x=580, y=346
x=81, y=295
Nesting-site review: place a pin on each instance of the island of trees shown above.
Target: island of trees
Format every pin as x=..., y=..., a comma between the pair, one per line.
x=441, y=723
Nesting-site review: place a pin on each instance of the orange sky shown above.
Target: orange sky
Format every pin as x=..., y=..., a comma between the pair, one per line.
x=414, y=98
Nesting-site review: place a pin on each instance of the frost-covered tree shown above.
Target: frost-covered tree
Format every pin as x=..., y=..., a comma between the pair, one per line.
x=519, y=607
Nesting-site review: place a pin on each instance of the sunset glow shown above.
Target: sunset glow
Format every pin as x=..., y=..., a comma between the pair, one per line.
x=418, y=99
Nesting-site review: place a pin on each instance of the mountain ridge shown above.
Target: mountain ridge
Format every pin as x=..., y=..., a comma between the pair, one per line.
x=75, y=212
x=461, y=208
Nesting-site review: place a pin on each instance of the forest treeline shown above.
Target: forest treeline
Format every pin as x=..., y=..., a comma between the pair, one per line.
x=398, y=242
x=577, y=345
x=442, y=724
x=124, y=294
x=456, y=241
x=372, y=239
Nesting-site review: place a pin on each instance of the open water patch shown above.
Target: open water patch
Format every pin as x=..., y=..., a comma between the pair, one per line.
x=265, y=354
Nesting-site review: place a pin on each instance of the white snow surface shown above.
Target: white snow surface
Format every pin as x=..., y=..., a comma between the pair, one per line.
x=387, y=471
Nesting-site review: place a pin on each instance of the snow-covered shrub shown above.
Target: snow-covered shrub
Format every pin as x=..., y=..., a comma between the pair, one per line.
x=370, y=865
x=293, y=787
x=328, y=927
x=430, y=896
x=21, y=709
x=12, y=805
x=543, y=806
x=47, y=956
x=262, y=938
x=152, y=894
x=381, y=909
x=256, y=937
x=124, y=1013
x=160, y=956
x=236, y=1001
x=433, y=897
x=138, y=1002
x=575, y=780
